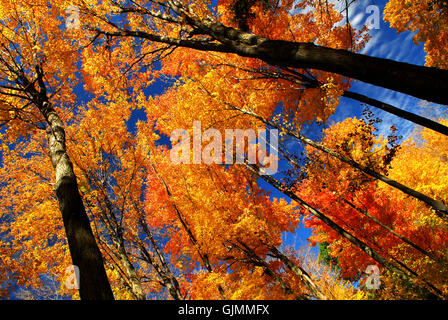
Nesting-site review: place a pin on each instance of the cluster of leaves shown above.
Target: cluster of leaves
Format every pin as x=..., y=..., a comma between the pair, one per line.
x=428, y=19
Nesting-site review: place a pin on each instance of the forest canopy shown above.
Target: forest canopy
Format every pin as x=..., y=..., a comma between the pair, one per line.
x=170, y=149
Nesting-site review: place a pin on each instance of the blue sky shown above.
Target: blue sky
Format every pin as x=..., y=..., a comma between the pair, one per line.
x=385, y=43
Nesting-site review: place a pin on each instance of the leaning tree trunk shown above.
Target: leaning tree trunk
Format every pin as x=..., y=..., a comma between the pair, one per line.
x=426, y=83
x=422, y=121
x=93, y=282
x=441, y=210
x=131, y=273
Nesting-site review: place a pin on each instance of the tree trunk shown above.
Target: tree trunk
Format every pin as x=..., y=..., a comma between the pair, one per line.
x=440, y=209
x=93, y=282
x=131, y=273
x=426, y=83
x=299, y=272
x=422, y=121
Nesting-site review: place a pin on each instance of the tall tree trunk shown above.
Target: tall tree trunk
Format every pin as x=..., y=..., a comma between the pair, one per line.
x=131, y=273
x=426, y=83
x=115, y=233
x=422, y=121
x=93, y=283
x=440, y=209
x=204, y=257
x=299, y=272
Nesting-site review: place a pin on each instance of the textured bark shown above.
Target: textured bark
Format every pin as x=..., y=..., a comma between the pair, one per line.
x=426, y=83
x=84, y=251
x=113, y=228
x=131, y=273
x=168, y=280
x=129, y=276
x=422, y=82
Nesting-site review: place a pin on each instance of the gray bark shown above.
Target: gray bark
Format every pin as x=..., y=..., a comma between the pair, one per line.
x=93, y=284
x=131, y=273
x=425, y=83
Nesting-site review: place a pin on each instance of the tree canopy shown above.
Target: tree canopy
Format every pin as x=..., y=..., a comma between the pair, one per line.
x=92, y=92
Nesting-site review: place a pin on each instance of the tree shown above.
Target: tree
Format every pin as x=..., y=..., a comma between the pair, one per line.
x=311, y=93
x=31, y=86
x=401, y=228
x=202, y=31
x=426, y=18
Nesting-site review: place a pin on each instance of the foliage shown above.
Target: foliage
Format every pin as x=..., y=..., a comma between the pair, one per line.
x=347, y=201
x=428, y=19
x=205, y=231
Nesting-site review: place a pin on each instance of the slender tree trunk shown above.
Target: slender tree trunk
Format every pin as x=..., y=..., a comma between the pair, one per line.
x=130, y=277
x=422, y=121
x=404, y=239
x=440, y=209
x=116, y=236
x=168, y=280
x=93, y=284
x=204, y=257
x=131, y=273
x=257, y=261
x=299, y=272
